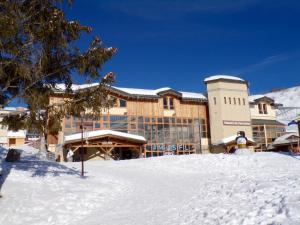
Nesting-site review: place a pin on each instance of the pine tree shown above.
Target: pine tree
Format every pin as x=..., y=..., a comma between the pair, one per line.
x=38, y=50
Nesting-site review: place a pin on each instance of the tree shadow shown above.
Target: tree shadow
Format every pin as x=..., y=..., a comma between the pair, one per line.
x=32, y=164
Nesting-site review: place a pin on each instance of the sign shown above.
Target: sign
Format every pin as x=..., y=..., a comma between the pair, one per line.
x=171, y=147
x=236, y=123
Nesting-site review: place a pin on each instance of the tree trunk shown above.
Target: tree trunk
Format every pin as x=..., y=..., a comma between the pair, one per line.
x=43, y=147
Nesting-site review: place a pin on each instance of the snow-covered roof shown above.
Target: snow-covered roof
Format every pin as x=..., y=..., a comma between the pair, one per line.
x=284, y=138
x=138, y=91
x=252, y=98
x=17, y=134
x=221, y=76
x=102, y=133
x=232, y=138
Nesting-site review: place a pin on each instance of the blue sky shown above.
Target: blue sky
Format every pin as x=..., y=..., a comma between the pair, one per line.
x=178, y=43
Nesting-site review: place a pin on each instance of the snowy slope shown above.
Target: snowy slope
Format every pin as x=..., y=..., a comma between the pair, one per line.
x=262, y=188
x=289, y=97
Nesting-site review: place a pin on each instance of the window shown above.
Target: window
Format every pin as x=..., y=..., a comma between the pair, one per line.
x=239, y=100
x=229, y=100
x=168, y=103
x=171, y=101
x=244, y=102
x=234, y=101
x=97, y=125
x=262, y=108
x=215, y=100
x=224, y=100
x=122, y=103
x=265, y=109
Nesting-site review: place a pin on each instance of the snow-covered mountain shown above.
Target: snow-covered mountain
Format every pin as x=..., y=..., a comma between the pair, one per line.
x=289, y=97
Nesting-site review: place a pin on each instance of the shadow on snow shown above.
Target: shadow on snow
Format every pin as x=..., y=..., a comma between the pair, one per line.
x=31, y=163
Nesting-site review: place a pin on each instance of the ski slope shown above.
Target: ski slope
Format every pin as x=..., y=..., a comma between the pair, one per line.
x=260, y=188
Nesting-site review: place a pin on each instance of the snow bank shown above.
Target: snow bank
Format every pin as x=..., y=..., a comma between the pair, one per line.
x=262, y=188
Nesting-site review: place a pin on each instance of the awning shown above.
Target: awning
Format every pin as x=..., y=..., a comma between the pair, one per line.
x=266, y=122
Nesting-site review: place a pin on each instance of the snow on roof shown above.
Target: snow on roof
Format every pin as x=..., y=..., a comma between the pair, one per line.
x=221, y=76
x=231, y=139
x=135, y=91
x=284, y=138
x=17, y=134
x=149, y=92
x=99, y=133
x=252, y=98
x=192, y=95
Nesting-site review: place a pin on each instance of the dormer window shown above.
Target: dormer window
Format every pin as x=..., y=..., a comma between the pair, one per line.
x=262, y=108
x=168, y=103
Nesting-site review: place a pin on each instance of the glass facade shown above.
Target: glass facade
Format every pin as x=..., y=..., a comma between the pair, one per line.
x=264, y=135
x=165, y=135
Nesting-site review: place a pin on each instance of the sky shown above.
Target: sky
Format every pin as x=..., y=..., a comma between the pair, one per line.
x=172, y=43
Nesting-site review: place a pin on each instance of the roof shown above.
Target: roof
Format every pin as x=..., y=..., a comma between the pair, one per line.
x=151, y=93
x=223, y=77
x=266, y=122
x=232, y=139
x=103, y=133
x=252, y=98
x=286, y=139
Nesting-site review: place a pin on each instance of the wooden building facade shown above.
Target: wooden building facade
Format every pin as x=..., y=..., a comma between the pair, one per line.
x=172, y=122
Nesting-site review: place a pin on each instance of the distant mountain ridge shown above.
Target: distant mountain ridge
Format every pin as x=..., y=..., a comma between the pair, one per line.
x=289, y=97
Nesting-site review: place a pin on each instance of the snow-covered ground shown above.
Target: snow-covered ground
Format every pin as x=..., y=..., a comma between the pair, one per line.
x=260, y=188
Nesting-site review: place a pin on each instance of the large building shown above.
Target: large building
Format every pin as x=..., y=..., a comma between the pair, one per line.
x=171, y=121
x=147, y=123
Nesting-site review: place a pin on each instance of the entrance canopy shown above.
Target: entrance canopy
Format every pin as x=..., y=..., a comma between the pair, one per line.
x=107, y=142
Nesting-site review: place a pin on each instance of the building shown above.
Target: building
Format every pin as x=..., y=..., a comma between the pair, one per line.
x=265, y=126
x=228, y=108
x=10, y=138
x=148, y=123
x=171, y=121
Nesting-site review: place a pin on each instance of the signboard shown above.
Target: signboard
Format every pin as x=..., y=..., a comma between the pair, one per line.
x=172, y=147
x=236, y=123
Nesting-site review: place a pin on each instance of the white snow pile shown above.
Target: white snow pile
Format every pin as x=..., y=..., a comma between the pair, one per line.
x=261, y=188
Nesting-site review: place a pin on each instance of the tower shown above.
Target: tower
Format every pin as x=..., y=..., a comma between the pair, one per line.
x=228, y=105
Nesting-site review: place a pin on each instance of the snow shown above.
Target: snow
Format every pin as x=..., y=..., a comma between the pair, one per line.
x=252, y=98
x=101, y=133
x=75, y=87
x=136, y=91
x=227, y=77
x=16, y=134
x=289, y=97
x=284, y=138
x=192, y=95
x=231, y=139
x=260, y=188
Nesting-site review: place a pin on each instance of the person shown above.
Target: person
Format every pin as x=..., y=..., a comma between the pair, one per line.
x=70, y=155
